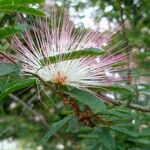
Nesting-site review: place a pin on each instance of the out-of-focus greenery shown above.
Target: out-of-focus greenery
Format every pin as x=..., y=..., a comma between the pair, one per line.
x=38, y=118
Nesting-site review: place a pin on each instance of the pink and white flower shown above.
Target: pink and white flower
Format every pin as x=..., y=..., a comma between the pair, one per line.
x=58, y=36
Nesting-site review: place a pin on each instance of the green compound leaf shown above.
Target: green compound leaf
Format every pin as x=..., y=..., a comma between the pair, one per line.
x=141, y=141
x=7, y=31
x=143, y=55
x=17, y=85
x=22, y=9
x=19, y=2
x=115, y=88
x=55, y=127
x=89, y=52
x=125, y=131
x=87, y=98
x=107, y=139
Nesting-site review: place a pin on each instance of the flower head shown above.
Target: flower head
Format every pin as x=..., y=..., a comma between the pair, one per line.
x=58, y=39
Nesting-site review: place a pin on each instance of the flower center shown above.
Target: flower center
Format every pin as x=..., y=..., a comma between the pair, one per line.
x=60, y=78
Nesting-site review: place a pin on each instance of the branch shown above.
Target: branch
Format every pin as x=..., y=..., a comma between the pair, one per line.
x=83, y=116
x=108, y=100
x=15, y=98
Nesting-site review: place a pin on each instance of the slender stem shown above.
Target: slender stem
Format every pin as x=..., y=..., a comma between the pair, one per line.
x=15, y=98
x=108, y=100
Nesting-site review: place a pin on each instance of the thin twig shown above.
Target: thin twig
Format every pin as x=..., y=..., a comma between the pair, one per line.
x=108, y=100
x=15, y=98
x=115, y=102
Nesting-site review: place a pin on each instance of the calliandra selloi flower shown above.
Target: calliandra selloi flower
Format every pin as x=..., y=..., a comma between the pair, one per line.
x=52, y=37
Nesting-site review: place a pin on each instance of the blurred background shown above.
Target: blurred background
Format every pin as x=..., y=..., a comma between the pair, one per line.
x=26, y=115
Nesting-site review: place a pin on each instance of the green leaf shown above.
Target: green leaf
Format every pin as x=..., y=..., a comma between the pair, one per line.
x=55, y=127
x=107, y=138
x=125, y=131
x=121, y=63
x=22, y=9
x=4, y=45
x=141, y=141
x=19, y=2
x=89, y=136
x=120, y=112
x=144, y=87
x=144, y=64
x=17, y=85
x=116, y=88
x=87, y=98
x=6, y=68
x=4, y=83
x=72, y=125
x=145, y=133
x=74, y=55
x=143, y=55
x=7, y=31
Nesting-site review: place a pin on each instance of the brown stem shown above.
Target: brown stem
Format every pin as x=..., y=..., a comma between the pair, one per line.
x=15, y=98
x=83, y=116
x=108, y=100
x=115, y=102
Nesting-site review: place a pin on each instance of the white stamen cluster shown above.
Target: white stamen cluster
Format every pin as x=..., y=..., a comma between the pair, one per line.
x=45, y=40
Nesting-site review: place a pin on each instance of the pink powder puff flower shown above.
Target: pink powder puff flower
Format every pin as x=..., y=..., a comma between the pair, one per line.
x=43, y=40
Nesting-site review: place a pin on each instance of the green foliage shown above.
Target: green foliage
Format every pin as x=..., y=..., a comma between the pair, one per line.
x=18, y=2
x=7, y=31
x=15, y=86
x=36, y=115
x=6, y=69
x=87, y=98
x=74, y=55
x=17, y=6
x=116, y=89
x=22, y=9
x=107, y=138
x=55, y=127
